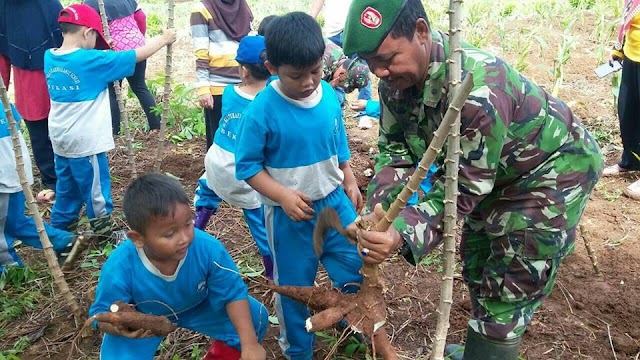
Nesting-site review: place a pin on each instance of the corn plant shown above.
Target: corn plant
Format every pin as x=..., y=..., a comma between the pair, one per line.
x=563, y=55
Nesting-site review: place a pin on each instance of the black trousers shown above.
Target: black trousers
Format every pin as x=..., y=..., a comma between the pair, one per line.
x=212, y=119
x=139, y=87
x=629, y=114
x=42, y=151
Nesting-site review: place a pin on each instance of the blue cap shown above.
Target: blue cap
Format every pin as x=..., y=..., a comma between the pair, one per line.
x=249, y=49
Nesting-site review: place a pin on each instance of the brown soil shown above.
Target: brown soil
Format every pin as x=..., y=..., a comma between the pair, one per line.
x=584, y=318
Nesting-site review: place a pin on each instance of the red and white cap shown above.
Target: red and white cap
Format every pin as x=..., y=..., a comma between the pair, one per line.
x=84, y=15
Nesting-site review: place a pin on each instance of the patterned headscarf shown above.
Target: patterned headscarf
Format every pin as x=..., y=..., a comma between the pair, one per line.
x=631, y=9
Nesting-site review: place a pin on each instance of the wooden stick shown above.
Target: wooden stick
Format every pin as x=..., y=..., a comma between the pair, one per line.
x=439, y=137
x=81, y=244
x=587, y=244
x=116, y=87
x=451, y=186
x=49, y=254
x=165, y=96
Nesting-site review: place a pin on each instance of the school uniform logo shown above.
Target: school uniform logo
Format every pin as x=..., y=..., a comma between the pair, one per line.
x=371, y=18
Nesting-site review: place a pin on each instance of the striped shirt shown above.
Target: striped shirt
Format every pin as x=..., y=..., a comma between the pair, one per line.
x=216, y=66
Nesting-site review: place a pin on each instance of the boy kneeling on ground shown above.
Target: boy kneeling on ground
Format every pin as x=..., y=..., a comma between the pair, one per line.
x=166, y=268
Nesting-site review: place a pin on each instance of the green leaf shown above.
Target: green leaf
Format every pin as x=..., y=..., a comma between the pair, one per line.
x=273, y=320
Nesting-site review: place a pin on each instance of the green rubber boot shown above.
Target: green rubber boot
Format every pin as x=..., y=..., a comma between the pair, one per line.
x=480, y=347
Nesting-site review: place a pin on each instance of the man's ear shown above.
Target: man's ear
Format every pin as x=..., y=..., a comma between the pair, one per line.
x=422, y=30
x=137, y=238
x=272, y=69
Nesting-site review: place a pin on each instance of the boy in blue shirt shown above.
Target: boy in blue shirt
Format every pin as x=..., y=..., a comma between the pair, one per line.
x=77, y=75
x=167, y=269
x=13, y=221
x=219, y=179
x=292, y=148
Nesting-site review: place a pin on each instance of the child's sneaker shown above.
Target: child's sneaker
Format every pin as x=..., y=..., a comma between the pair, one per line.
x=221, y=351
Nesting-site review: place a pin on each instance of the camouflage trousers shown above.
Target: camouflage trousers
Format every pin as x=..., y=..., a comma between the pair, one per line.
x=513, y=243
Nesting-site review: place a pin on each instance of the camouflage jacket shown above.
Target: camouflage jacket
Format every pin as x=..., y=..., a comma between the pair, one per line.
x=510, y=127
x=333, y=58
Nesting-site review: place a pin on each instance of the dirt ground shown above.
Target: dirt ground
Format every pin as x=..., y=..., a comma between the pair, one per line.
x=586, y=317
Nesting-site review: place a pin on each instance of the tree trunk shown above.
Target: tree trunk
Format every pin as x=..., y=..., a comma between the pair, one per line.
x=451, y=185
x=165, y=96
x=50, y=255
x=116, y=87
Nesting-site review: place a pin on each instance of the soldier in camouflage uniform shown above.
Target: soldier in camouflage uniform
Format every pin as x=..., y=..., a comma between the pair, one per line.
x=344, y=74
x=527, y=167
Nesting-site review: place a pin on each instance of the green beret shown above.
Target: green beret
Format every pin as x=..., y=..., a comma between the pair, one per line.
x=369, y=23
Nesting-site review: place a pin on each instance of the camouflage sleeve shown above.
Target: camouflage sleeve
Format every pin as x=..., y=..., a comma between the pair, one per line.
x=331, y=59
x=394, y=164
x=484, y=116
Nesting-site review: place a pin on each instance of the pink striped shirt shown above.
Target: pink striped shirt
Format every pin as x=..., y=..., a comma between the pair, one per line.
x=125, y=34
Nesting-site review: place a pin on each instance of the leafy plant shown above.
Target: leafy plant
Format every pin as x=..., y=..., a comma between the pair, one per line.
x=155, y=24
x=185, y=119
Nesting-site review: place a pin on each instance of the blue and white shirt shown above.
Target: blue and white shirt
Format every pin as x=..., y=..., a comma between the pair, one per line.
x=80, y=116
x=300, y=143
x=220, y=162
x=9, y=180
x=206, y=274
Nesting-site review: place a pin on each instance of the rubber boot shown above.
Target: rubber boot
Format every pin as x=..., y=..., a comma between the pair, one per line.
x=268, y=266
x=221, y=351
x=479, y=347
x=203, y=215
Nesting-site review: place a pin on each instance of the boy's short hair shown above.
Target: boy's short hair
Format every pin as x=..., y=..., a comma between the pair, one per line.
x=151, y=196
x=68, y=28
x=294, y=39
x=265, y=24
x=258, y=71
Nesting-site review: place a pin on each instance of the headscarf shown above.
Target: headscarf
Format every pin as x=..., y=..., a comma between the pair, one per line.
x=115, y=9
x=631, y=9
x=233, y=17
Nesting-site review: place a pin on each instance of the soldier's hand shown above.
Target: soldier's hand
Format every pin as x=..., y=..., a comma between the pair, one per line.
x=375, y=246
x=122, y=331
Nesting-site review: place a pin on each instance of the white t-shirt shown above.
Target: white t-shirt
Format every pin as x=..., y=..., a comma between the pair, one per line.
x=9, y=180
x=80, y=116
x=335, y=16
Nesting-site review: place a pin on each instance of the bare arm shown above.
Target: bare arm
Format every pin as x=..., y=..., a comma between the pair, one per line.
x=316, y=6
x=155, y=44
x=350, y=186
x=263, y=183
x=240, y=316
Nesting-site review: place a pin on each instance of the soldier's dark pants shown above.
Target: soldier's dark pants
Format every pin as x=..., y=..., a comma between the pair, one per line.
x=514, y=242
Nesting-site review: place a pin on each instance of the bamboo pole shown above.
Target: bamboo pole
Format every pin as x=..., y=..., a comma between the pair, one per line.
x=587, y=244
x=451, y=185
x=116, y=87
x=165, y=96
x=49, y=254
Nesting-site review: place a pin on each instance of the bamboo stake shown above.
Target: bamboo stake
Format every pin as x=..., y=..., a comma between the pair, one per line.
x=592, y=255
x=49, y=254
x=116, y=87
x=451, y=186
x=165, y=96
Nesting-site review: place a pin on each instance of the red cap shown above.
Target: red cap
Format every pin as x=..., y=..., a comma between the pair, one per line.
x=84, y=15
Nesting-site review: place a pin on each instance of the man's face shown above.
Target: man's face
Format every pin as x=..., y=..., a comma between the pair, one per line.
x=401, y=62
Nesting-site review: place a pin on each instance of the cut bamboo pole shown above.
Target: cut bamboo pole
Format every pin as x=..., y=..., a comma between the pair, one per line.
x=451, y=186
x=587, y=244
x=116, y=87
x=166, y=95
x=50, y=255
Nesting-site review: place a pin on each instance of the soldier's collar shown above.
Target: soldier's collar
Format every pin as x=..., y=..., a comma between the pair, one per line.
x=434, y=86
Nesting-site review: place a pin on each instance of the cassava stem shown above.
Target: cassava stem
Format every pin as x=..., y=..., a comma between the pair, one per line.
x=118, y=90
x=587, y=244
x=50, y=255
x=165, y=95
x=80, y=245
x=451, y=186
